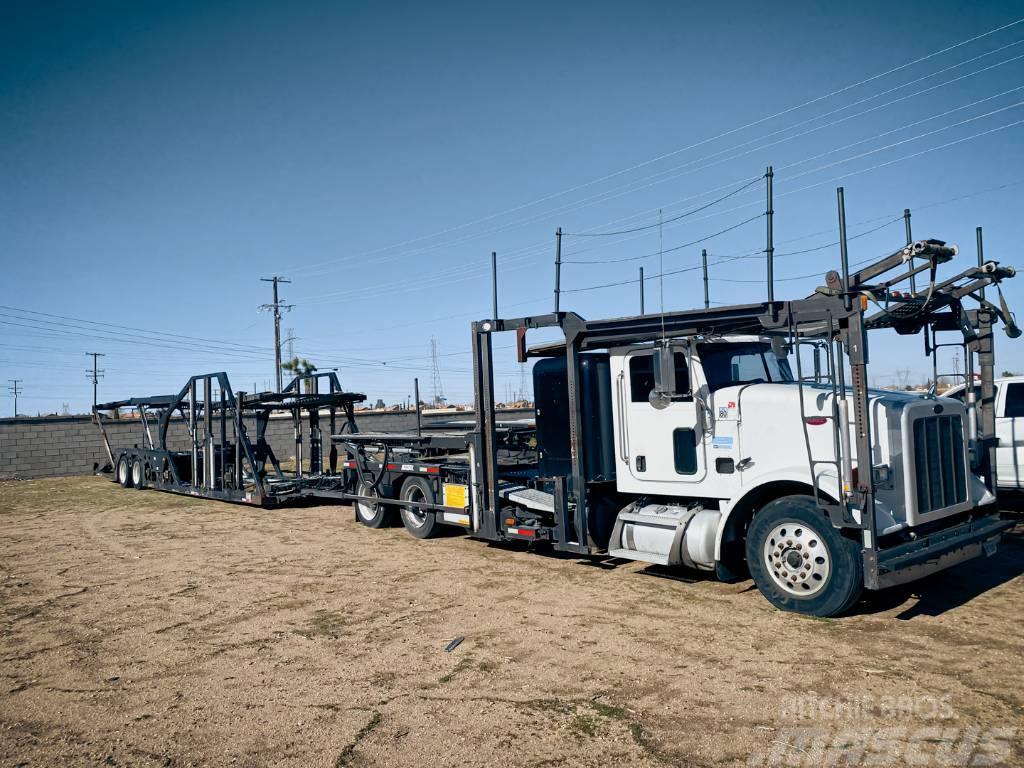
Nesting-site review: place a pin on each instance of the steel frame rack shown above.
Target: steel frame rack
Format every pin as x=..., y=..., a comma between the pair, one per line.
x=223, y=461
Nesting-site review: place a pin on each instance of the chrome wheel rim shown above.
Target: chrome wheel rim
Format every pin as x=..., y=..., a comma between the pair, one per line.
x=137, y=473
x=797, y=559
x=367, y=510
x=122, y=472
x=413, y=516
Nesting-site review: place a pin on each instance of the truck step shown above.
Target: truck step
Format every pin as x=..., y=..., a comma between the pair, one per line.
x=529, y=498
x=644, y=557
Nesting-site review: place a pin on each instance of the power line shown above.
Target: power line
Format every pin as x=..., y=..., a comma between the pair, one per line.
x=606, y=177
x=669, y=220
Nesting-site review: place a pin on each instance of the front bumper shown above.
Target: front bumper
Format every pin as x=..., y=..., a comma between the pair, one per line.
x=936, y=551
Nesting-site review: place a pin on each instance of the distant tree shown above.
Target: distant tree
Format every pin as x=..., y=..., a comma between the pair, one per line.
x=1009, y=373
x=299, y=366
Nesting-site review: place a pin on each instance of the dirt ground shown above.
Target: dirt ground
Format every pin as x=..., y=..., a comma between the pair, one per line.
x=147, y=629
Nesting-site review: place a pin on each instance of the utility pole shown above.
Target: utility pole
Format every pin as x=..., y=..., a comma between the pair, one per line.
x=770, y=245
x=981, y=255
x=95, y=374
x=558, y=267
x=15, y=391
x=704, y=263
x=276, y=308
x=494, y=282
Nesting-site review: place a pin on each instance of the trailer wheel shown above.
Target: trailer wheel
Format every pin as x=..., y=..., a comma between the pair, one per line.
x=800, y=562
x=370, y=513
x=124, y=472
x=138, y=474
x=421, y=523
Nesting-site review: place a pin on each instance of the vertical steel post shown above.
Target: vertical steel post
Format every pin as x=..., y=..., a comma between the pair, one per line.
x=193, y=429
x=494, y=282
x=642, y=291
x=239, y=398
x=223, y=436
x=704, y=265
x=416, y=394
x=770, y=246
x=985, y=348
x=981, y=257
x=910, y=240
x=844, y=256
x=208, y=473
x=558, y=268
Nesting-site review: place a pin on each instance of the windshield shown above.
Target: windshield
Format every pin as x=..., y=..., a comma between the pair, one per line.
x=754, y=362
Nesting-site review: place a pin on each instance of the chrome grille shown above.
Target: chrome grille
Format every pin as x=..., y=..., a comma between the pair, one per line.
x=939, y=462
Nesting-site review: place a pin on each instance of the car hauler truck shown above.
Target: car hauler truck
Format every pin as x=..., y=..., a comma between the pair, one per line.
x=739, y=439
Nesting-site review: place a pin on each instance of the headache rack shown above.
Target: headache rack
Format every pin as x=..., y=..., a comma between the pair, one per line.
x=223, y=451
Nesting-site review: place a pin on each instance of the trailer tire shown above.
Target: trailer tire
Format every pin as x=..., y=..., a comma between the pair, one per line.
x=369, y=513
x=124, y=472
x=800, y=562
x=138, y=474
x=420, y=523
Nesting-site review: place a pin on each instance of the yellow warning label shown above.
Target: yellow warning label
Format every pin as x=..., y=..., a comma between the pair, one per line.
x=456, y=495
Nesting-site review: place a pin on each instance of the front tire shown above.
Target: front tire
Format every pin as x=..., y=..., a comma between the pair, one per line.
x=421, y=523
x=800, y=562
x=124, y=472
x=372, y=514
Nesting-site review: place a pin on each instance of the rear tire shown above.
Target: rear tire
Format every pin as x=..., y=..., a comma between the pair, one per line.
x=124, y=472
x=800, y=562
x=369, y=513
x=421, y=523
x=138, y=474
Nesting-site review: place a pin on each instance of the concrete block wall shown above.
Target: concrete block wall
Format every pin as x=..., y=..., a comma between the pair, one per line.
x=53, y=446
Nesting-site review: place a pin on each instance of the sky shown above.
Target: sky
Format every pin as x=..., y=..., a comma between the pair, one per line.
x=158, y=159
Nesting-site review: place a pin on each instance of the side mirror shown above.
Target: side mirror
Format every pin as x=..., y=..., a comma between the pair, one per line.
x=780, y=347
x=664, y=377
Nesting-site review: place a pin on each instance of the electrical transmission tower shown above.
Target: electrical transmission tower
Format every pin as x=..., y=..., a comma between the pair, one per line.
x=95, y=374
x=522, y=381
x=290, y=341
x=15, y=391
x=436, y=374
x=276, y=306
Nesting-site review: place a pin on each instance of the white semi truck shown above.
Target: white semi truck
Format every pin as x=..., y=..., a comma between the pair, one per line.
x=739, y=440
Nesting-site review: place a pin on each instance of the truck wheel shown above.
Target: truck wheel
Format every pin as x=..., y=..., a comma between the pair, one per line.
x=800, y=562
x=138, y=474
x=124, y=472
x=372, y=514
x=421, y=523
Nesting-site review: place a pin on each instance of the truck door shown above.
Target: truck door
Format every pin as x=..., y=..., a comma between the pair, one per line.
x=1010, y=432
x=664, y=445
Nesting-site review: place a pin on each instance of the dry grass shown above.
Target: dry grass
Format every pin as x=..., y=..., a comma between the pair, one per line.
x=145, y=629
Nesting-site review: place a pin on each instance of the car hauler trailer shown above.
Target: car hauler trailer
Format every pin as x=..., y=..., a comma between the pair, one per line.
x=223, y=461
x=698, y=438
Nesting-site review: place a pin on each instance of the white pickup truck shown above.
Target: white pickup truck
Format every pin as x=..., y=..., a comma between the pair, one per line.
x=1009, y=408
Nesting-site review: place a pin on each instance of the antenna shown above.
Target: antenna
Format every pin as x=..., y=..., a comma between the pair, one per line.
x=661, y=274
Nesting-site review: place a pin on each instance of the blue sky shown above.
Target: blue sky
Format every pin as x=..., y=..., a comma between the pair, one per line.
x=158, y=159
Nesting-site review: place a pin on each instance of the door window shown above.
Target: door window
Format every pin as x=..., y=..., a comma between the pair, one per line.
x=684, y=449
x=1014, y=407
x=641, y=376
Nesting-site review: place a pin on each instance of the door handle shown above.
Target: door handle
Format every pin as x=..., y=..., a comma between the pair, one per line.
x=623, y=433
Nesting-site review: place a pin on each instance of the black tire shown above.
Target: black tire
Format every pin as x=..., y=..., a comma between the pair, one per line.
x=138, y=474
x=124, y=472
x=420, y=523
x=372, y=514
x=800, y=562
